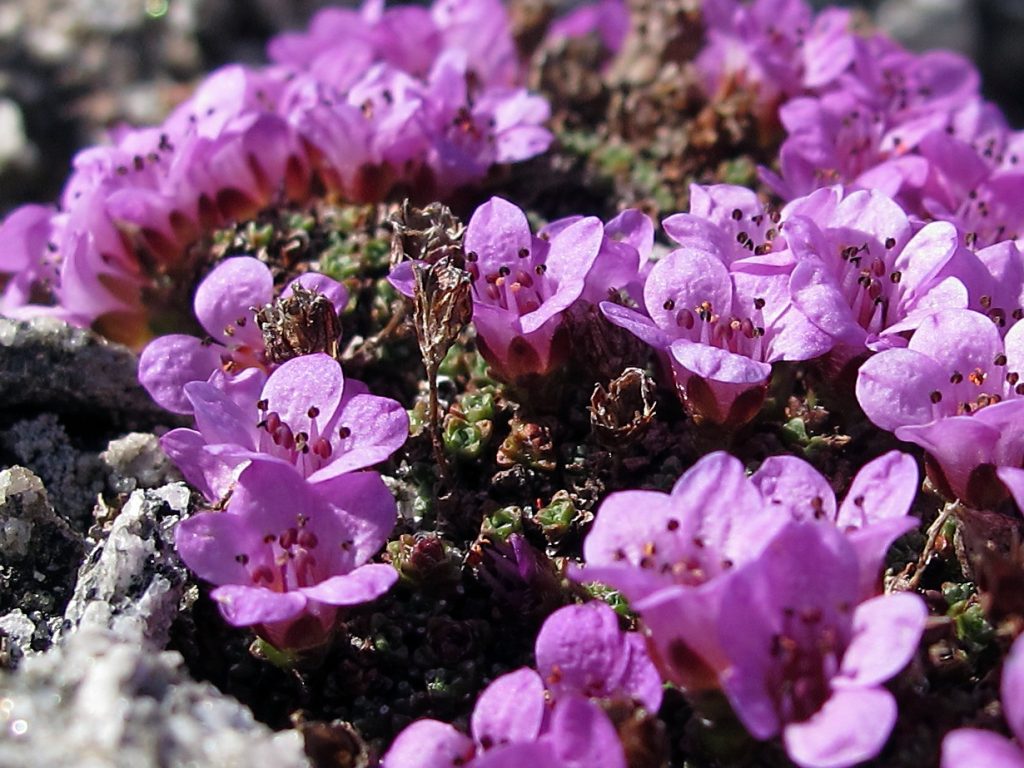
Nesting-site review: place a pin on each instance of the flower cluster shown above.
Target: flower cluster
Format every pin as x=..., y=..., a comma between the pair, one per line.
x=764, y=586
x=550, y=717
x=860, y=110
x=301, y=518
x=362, y=102
x=284, y=439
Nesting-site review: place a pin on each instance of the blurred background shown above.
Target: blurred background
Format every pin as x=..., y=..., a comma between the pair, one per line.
x=71, y=68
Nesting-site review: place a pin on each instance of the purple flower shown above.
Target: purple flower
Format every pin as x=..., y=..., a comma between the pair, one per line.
x=522, y=285
x=974, y=748
x=361, y=103
x=805, y=659
x=837, y=138
x=513, y=726
x=287, y=555
x=307, y=417
x=468, y=132
x=581, y=650
x=721, y=330
x=581, y=654
x=775, y=48
x=873, y=514
x=674, y=562
x=224, y=305
x=955, y=392
x=861, y=269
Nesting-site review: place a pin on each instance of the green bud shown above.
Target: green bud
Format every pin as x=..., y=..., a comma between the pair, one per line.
x=477, y=406
x=972, y=628
x=955, y=592
x=556, y=518
x=502, y=523
x=463, y=439
x=795, y=431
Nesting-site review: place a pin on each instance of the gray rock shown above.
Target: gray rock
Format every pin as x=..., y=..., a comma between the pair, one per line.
x=133, y=581
x=101, y=701
x=72, y=478
x=928, y=24
x=16, y=633
x=137, y=461
x=46, y=365
x=39, y=556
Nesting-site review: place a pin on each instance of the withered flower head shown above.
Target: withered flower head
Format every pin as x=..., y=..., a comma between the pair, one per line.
x=426, y=234
x=299, y=324
x=442, y=305
x=622, y=413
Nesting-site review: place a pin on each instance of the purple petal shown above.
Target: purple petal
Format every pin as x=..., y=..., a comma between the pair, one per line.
x=883, y=489
x=536, y=754
x=872, y=543
x=685, y=278
x=636, y=323
x=973, y=748
x=365, y=511
x=403, y=278
x=228, y=294
x=794, y=486
x=510, y=709
x=635, y=228
x=429, y=744
x=894, y=386
x=641, y=679
x=886, y=633
x=209, y=541
x=362, y=585
x=496, y=233
x=850, y=728
x=203, y=470
x=246, y=606
x=301, y=385
x=580, y=649
x=220, y=420
x=1013, y=688
x=584, y=737
x=816, y=294
x=719, y=365
x=943, y=337
x=377, y=427
x=170, y=362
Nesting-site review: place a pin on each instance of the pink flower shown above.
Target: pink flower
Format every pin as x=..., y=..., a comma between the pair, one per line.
x=805, y=659
x=287, y=555
x=306, y=417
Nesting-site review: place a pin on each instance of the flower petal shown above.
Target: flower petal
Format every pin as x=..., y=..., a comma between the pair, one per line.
x=973, y=748
x=886, y=633
x=510, y=709
x=170, y=362
x=429, y=744
x=362, y=585
x=228, y=294
x=850, y=728
x=246, y=606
